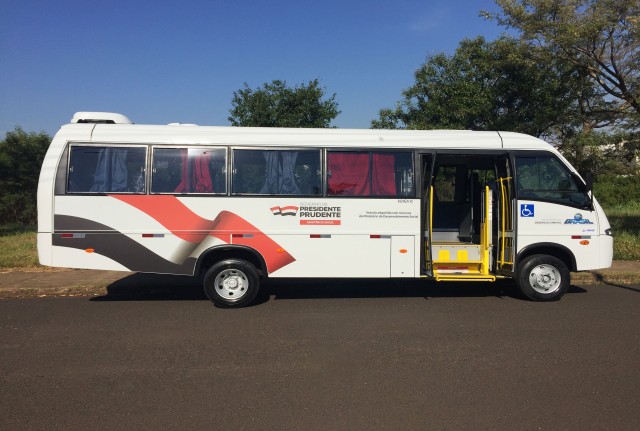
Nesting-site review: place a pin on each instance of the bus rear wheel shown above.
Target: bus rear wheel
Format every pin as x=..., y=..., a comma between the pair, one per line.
x=231, y=283
x=543, y=278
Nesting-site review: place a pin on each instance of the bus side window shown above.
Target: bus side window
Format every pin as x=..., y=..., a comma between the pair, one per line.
x=192, y=170
x=369, y=173
x=277, y=172
x=106, y=170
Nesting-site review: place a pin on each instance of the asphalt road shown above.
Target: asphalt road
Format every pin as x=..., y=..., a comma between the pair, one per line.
x=357, y=356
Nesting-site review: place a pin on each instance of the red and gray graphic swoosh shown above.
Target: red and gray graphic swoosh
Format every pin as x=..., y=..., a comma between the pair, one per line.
x=171, y=213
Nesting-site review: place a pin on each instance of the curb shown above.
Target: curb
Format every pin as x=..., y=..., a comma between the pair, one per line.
x=30, y=292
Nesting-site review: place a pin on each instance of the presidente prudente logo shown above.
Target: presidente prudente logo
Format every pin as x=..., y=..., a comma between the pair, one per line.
x=311, y=214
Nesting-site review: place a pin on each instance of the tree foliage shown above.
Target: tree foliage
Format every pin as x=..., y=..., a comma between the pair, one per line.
x=277, y=105
x=21, y=156
x=496, y=85
x=600, y=37
x=603, y=152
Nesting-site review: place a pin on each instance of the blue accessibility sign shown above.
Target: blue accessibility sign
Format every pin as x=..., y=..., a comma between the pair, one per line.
x=527, y=210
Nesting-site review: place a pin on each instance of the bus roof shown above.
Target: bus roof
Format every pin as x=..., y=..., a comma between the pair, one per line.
x=190, y=134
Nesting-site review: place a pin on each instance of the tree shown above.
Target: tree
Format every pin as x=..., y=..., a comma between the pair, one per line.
x=600, y=37
x=276, y=105
x=496, y=85
x=21, y=156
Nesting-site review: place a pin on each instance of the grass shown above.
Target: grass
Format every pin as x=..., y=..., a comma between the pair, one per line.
x=625, y=221
x=18, y=243
x=18, y=247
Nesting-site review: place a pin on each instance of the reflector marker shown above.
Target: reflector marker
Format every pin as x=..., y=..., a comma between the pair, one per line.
x=153, y=235
x=580, y=236
x=242, y=235
x=319, y=236
x=380, y=236
x=72, y=235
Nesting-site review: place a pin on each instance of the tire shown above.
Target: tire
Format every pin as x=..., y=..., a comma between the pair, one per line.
x=543, y=278
x=231, y=283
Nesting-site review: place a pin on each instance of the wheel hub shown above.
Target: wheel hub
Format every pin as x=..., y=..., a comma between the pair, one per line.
x=231, y=284
x=545, y=279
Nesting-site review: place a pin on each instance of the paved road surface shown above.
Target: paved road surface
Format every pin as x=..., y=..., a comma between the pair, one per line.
x=370, y=356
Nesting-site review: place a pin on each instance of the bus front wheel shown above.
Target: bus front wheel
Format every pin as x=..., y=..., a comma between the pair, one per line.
x=543, y=278
x=231, y=283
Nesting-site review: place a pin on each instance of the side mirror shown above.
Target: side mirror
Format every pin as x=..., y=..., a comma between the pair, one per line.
x=589, y=181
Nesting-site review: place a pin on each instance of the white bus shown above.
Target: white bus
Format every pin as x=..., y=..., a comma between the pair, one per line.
x=237, y=205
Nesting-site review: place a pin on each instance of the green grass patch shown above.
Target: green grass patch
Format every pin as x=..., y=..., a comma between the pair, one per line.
x=18, y=247
x=625, y=221
x=626, y=246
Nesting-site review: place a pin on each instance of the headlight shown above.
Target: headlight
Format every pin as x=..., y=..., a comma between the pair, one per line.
x=609, y=232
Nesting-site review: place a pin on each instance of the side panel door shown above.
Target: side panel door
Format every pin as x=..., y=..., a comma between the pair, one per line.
x=553, y=207
x=427, y=163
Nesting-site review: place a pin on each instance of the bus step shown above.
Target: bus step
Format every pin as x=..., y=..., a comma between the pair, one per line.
x=458, y=268
x=464, y=277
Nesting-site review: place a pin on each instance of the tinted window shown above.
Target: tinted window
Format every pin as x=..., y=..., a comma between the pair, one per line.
x=106, y=170
x=189, y=170
x=369, y=173
x=548, y=179
x=277, y=172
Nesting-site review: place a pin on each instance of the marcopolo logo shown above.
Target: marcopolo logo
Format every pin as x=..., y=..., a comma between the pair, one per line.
x=577, y=219
x=285, y=211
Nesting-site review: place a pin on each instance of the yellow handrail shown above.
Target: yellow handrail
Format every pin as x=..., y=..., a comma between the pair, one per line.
x=430, y=229
x=506, y=215
x=484, y=237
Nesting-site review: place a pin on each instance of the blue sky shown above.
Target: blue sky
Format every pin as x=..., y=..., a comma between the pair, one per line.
x=180, y=61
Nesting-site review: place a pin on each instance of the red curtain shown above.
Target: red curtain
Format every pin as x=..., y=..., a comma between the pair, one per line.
x=383, y=180
x=196, y=176
x=348, y=174
x=201, y=173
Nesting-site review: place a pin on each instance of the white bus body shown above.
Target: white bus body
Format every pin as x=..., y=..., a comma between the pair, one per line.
x=240, y=204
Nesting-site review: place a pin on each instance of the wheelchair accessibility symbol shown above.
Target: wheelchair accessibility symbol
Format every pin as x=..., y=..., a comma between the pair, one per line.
x=527, y=210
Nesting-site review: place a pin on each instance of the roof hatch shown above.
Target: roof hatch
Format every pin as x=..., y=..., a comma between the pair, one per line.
x=100, y=118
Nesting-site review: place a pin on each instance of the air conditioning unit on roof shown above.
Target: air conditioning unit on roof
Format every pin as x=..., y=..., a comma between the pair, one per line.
x=100, y=118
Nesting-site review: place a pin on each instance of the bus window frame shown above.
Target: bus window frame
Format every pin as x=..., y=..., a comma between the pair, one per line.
x=370, y=150
x=69, y=150
x=153, y=147
x=231, y=173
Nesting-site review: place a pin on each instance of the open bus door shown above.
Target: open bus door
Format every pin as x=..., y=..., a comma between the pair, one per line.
x=427, y=165
x=467, y=216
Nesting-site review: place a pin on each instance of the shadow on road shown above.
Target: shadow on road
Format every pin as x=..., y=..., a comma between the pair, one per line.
x=155, y=287
x=602, y=279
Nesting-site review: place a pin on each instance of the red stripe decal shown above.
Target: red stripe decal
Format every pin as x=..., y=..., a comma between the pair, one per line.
x=185, y=224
